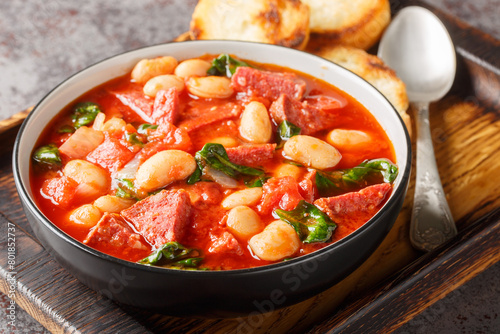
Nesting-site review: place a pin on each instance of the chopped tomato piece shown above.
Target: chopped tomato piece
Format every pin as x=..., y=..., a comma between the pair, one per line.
x=307, y=187
x=166, y=107
x=225, y=243
x=166, y=137
x=282, y=192
x=60, y=190
x=110, y=155
x=203, y=194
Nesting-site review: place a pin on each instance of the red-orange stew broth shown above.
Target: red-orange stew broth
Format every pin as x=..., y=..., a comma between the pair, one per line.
x=292, y=164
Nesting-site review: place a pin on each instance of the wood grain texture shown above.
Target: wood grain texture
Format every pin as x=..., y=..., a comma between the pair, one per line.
x=51, y=295
x=465, y=127
x=9, y=128
x=429, y=278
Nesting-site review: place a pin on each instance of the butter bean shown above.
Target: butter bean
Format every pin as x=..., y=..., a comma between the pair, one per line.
x=255, y=125
x=87, y=215
x=164, y=82
x=113, y=204
x=210, y=87
x=276, y=242
x=312, y=152
x=149, y=68
x=346, y=139
x=224, y=141
x=164, y=168
x=288, y=170
x=114, y=124
x=249, y=197
x=99, y=121
x=244, y=222
x=192, y=67
x=92, y=180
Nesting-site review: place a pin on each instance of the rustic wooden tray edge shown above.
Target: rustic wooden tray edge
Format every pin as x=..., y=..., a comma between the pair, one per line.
x=423, y=282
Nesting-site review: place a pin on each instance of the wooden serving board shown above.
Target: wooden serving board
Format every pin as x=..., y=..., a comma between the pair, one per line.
x=388, y=289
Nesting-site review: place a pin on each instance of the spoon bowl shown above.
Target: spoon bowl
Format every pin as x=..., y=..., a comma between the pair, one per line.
x=418, y=47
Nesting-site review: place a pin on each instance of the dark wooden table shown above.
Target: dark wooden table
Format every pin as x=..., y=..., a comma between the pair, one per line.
x=42, y=43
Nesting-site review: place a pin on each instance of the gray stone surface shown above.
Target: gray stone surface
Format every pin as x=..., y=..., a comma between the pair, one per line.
x=44, y=41
x=472, y=308
x=482, y=14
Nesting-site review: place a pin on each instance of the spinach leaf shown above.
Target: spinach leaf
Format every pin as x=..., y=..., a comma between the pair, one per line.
x=84, y=113
x=388, y=170
x=196, y=176
x=174, y=254
x=310, y=223
x=143, y=128
x=66, y=129
x=133, y=139
x=286, y=130
x=293, y=163
x=126, y=189
x=256, y=181
x=225, y=65
x=367, y=173
x=215, y=156
x=48, y=156
x=191, y=262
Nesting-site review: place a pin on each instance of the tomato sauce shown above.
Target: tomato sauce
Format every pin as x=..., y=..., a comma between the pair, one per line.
x=206, y=229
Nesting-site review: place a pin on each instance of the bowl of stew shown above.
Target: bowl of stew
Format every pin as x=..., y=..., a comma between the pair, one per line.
x=212, y=178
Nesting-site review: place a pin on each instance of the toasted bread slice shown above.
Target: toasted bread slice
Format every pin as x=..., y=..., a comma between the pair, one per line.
x=281, y=22
x=185, y=36
x=358, y=23
x=375, y=71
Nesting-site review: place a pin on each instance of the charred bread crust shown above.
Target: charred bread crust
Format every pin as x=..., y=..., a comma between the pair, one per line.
x=357, y=23
x=280, y=22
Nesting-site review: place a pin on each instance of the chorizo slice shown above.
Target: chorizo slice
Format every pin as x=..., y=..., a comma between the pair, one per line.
x=111, y=230
x=162, y=217
x=268, y=84
x=366, y=200
x=199, y=117
x=138, y=102
x=166, y=107
x=250, y=155
x=304, y=115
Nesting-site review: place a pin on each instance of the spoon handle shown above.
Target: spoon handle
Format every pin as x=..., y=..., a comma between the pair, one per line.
x=431, y=221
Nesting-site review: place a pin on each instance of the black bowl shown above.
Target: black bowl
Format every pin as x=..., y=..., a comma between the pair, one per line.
x=228, y=293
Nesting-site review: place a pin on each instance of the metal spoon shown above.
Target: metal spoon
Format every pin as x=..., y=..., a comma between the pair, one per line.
x=417, y=46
